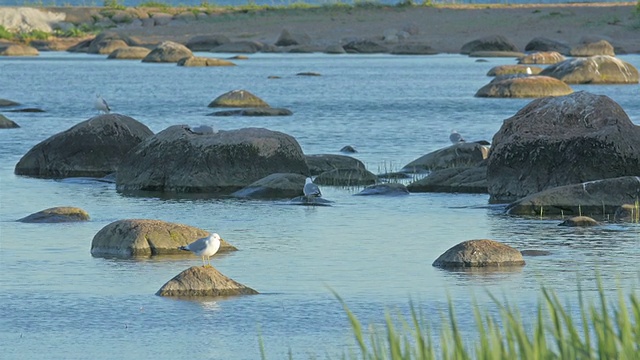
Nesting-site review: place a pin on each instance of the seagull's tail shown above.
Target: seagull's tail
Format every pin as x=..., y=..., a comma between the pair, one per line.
x=183, y=248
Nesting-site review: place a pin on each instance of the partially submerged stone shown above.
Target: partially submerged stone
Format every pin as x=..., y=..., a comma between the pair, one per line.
x=143, y=237
x=513, y=69
x=8, y=103
x=167, y=52
x=238, y=99
x=57, y=215
x=388, y=189
x=203, y=281
x=6, y=123
x=129, y=53
x=489, y=43
x=601, y=69
x=600, y=47
x=309, y=201
x=319, y=163
x=525, y=87
x=273, y=186
x=254, y=112
x=580, y=221
x=543, y=57
x=346, y=177
x=18, y=50
x=479, y=253
x=464, y=179
x=195, y=61
x=456, y=155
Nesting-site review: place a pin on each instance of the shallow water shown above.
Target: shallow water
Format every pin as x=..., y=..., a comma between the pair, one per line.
x=57, y=301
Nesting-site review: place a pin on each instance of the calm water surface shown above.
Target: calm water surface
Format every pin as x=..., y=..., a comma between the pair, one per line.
x=57, y=301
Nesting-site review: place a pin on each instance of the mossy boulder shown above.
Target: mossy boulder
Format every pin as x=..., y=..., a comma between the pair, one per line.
x=601, y=69
x=238, y=99
x=57, y=215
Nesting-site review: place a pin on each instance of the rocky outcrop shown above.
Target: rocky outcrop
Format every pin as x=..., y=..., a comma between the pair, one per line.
x=274, y=186
x=92, y=148
x=524, y=87
x=364, y=46
x=204, y=61
x=108, y=41
x=593, y=198
x=57, y=215
x=206, y=42
x=167, y=52
x=513, y=70
x=557, y=141
x=264, y=111
x=593, y=70
x=461, y=154
x=579, y=221
x=463, y=179
x=108, y=46
x=413, y=49
x=489, y=43
x=544, y=57
x=129, y=53
x=319, y=163
x=6, y=123
x=203, y=281
x=287, y=38
x=387, y=189
x=479, y=253
x=142, y=237
x=243, y=47
x=8, y=103
x=545, y=44
x=346, y=177
x=238, y=99
x=601, y=47
x=18, y=50
x=180, y=161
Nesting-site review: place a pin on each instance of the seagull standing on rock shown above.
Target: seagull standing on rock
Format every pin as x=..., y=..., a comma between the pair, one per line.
x=310, y=189
x=455, y=137
x=206, y=246
x=101, y=104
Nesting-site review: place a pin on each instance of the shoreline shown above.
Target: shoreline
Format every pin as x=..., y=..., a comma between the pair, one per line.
x=445, y=28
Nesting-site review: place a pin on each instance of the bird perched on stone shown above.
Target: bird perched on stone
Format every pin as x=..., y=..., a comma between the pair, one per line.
x=310, y=189
x=101, y=104
x=206, y=246
x=455, y=137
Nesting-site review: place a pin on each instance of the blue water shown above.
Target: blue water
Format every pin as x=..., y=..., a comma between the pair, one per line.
x=274, y=2
x=57, y=301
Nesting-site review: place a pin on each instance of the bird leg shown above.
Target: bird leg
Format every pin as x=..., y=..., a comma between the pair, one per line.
x=203, y=264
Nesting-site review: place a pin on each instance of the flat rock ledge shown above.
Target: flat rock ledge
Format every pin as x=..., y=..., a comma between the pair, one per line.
x=204, y=281
x=57, y=215
x=479, y=253
x=141, y=237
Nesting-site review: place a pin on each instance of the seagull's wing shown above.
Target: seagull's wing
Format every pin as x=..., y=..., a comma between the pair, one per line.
x=106, y=106
x=311, y=189
x=455, y=137
x=198, y=245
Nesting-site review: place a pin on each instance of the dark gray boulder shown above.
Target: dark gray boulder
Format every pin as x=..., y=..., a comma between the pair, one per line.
x=346, y=177
x=244, y=47
x=274, y=186
x=8, y=103
x=387, y=189
x=524, y=87
x=319, y=163
x=489, y=43
x=177, y=160
x=57, y=215
x=594, y=198
x=557, y=141
x=460, y=154
x=545, y=44
x=6, y=123
x=579, y=221
x=287, y=38
x=600, y=47
x=167, y=52
x=479, y=253
x=601, y=69
x=364, y=46
x=206, y=42
x=413, y=49
x=463, y=179
x=92, y=148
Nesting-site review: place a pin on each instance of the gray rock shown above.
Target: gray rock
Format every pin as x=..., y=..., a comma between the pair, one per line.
x=348, y=149
x=167, y=52
x=513, y=70
x=286, y=38
x=200, y=281
x=346, y=177
x=92, y=148
x=364, y=46
x=489, y=43
x=601, y=47
x=579, y=221
x=557, y=141
x=8, y=103
x=204, y=61
x=57, y=215
x=129, y=53
x=460, y=154
x=274, y=186
x=178, y=161
x=545, y=44
x=206, y=42
x=479, y=253
x=600, y=69
x=238, y=99
x=143, y=238
x=542, y=57
x=388, y=189
x=309, y=201
x=464, y=179
x=334, y=49
x=254, y=112
x=6, y=123
x=319, y=163
x=246, y=47
x=18, y=50
x=524, y=87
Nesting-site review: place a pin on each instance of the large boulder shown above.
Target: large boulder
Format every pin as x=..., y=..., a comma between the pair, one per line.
x=600, y=47
x=92, y=148
x=18, y=50
x=364, y=46
x=460, y=154
x=238, y=99
x=206, y=42
x=168, y=52
x=6, y=123
x=319, y=163
x=545, y=44
x=462, y=179
x=479, y=253
x=129, y=53
x=274, y=186
x=501, y=70
x=204, y=61
x=108, y=41
x=524, y=87
x=287, y=38
x=598, y=197
x=387, y=189
x=542, y=57
x=244, y=47
x=203, y=281
x=107, y=46
x=57, y=215
x=142, y=238
x=600, y=69
x=557, y=141
x=180, y=161
x=489, y=43
x=346, y=177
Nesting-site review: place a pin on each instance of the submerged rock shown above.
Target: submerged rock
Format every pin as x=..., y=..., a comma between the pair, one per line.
x=57, y=215
x=600, y=69
x=525, y=87
x=319, y=163
x=6, y=123
x=273, y=186
x=346, y=177
x=167, y=52
x=579, y=221
x=388, y=189
x=461, y=154
x=203, y=281
x=238, y=99
x=463, y=179
x=310, y=201
x=479, y=253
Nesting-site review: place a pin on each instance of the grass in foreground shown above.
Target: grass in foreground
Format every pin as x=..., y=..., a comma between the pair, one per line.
x=609, y=330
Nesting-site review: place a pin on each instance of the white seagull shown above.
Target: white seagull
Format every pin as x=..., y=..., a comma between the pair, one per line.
x=101, y=104
x=310, y=189
x=529, y=71
x=206, y=246
x=455, y=137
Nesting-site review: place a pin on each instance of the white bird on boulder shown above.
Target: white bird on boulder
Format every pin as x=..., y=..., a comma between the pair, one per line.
x=455, y=137
x=310, y=189
x=101, y=104
x=206, y=246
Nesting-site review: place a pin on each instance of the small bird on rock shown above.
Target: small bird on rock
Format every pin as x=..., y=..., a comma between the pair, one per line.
x=206, y=246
